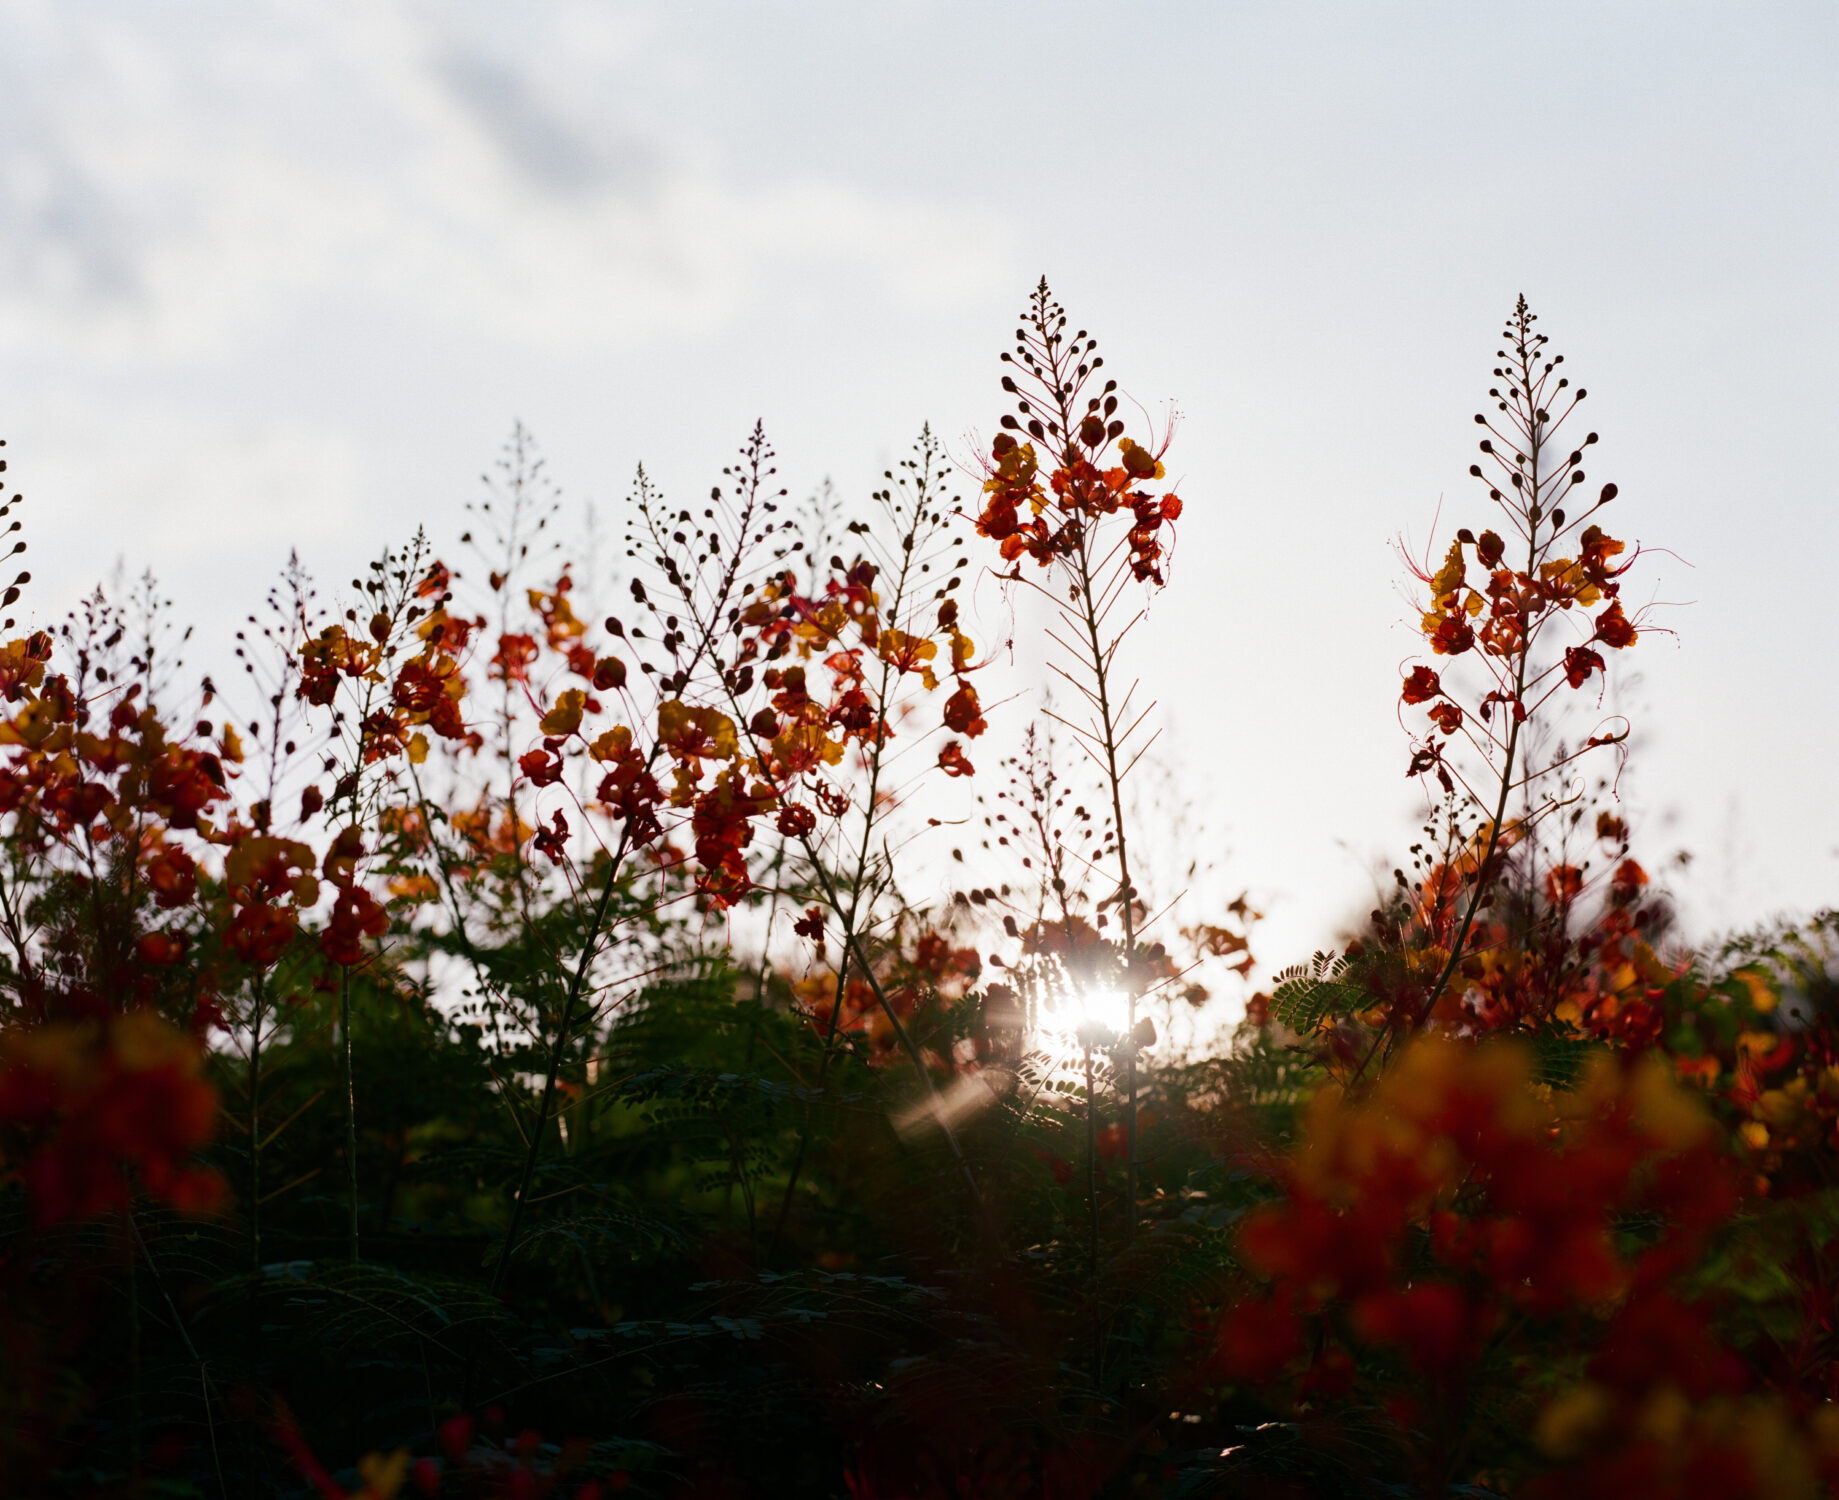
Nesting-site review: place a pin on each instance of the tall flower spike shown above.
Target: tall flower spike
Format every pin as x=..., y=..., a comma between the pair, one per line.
x=1060, y=481
x=1495, y=600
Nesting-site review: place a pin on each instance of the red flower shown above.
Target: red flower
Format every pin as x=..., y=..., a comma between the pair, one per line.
x=1421, y=686
x=1625, y=885
x=1452, y=636
x=723, y=826
x=514, y=655
x=541, y=767
x=633, y=793
x=355, y=916
x=1563, y=884
x=183, y=783
x=1581, y=661
x=1431, y=1321
x=962, y=715
x=92, y=1103
x=173, y=875
x=795, y=821
x=952, y=761
x=259, y=933
x=1613, y=627
x=553, y=840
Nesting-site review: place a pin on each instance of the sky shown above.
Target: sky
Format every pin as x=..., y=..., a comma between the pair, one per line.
x=282, y=275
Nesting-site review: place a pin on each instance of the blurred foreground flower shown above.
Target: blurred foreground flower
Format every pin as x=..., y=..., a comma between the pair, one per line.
x=92, y=1111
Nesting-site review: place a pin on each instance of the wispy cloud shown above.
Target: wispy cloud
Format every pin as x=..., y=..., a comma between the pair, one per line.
x=172, y=182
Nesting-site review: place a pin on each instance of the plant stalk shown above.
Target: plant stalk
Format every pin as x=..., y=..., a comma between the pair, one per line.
x=577, y=982
x=351, y=1110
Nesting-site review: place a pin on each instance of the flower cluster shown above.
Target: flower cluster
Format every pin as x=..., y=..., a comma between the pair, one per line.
x=93, y=1112
x=1552, y=564
x=835, y=666
x=1431, y=1232
x=1567, y=940
x=1021, y=519
x=925, y=969
x=769, y=692
x=1094, y=471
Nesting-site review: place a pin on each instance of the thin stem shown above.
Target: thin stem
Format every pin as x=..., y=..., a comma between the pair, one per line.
x=823, y=1072
x=351, y=1109
x=842, y=975
x=903, y=576
x=534, y=1148
x=253, y=1312
x=204, y=1373
x=1536, y=438
x=590, y=942
x=1052, y=367
x=255, y=1128
x=1475, y=897
x=1091, y=1156
x=577, y=983
x=135, y=1417
x=738, y=1167
x=1127, y=895
x=900, y=1031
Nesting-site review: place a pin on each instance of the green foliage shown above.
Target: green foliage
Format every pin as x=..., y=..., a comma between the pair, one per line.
x=549, y=1157
x=1307, y=994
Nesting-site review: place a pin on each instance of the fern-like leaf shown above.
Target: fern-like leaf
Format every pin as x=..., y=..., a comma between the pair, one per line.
x=1307, y=994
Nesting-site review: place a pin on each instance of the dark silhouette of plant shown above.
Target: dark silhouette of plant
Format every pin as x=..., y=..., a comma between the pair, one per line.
x=726, y=1099
x=1080, y=510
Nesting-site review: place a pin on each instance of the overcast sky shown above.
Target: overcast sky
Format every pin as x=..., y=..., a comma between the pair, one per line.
x=284, y=274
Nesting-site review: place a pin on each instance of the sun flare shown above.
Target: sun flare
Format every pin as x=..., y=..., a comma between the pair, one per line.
x=1080, y=1010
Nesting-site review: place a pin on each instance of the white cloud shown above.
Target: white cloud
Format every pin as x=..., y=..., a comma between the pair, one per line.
x=169, y=187
x=210, y=505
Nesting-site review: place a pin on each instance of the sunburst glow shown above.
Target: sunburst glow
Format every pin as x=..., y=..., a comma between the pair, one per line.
x=1078, y=1009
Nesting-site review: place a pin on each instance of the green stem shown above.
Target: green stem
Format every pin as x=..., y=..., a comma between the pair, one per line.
x=204, y=1372
x=842, y=974
x=1092, y=1157
x=918, y=1059
x=1127, y=892
x=351, y=1109
x=134, y=1363
x=254, y=1310
x=1063, y=383
x=255, y=1130
x=576, y=984
x=1535, y=445
x=804, y=1131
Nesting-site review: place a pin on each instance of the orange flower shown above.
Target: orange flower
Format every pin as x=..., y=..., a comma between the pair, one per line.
x=93, y=1110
